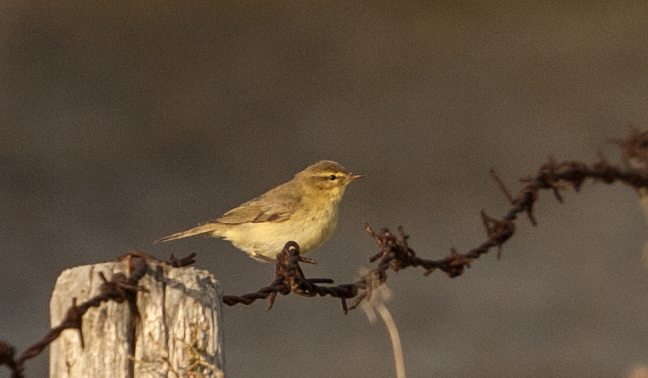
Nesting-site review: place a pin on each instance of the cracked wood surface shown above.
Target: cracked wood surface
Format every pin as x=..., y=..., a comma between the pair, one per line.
x=178, y=332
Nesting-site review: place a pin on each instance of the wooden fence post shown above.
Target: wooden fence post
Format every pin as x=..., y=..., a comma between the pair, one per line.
x=178, y=333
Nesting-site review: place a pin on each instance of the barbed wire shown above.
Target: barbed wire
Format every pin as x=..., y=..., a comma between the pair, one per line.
x=395, y=253
x=119, y=289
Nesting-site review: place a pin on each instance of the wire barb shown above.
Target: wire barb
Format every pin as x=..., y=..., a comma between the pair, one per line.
x=498, y=231
x=501, y=185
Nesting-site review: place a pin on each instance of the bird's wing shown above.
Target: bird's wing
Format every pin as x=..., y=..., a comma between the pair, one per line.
x=269, y=207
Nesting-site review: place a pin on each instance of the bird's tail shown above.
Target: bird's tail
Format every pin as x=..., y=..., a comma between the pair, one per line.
x=206, y=228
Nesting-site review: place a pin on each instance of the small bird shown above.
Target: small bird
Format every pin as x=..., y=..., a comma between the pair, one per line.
x=304, y=210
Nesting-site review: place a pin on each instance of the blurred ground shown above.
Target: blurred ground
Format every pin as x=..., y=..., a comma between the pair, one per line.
x=121, y=122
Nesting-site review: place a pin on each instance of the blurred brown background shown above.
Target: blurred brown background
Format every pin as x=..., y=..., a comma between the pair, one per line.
x=121, y=122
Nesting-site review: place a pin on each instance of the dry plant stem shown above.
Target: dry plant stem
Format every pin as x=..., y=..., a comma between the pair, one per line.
x=393, y=336
x=396, y=254
x=377, y=304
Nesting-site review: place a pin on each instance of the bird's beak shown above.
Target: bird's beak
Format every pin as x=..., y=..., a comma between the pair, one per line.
x=353, y=177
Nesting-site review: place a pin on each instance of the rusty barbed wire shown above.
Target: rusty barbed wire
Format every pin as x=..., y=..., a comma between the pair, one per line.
x=289, y=278
x=172, y=261
x=119, y=289
x=395, y=253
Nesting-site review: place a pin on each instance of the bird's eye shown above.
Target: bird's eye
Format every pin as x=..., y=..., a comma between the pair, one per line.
x=332, y=177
